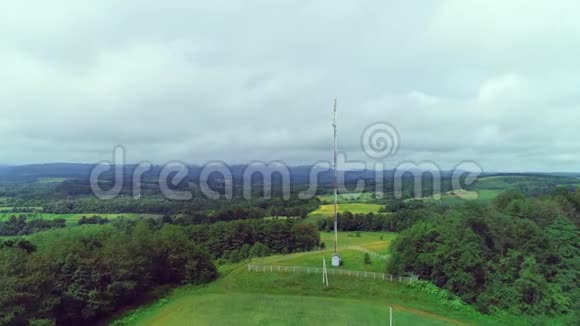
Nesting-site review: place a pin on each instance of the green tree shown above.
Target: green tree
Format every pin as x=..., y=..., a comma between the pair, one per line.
x=367, y=258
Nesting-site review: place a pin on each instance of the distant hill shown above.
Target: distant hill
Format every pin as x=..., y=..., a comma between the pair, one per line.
x=298, y=174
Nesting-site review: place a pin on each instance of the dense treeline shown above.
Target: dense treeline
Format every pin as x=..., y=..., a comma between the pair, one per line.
x=234, y=240
x=78, y=275
x=397, y=216
x=93, y=220
x=522, y=255
x=22, y=225
x=529, y=185
x=74, y=276
x=218, y=210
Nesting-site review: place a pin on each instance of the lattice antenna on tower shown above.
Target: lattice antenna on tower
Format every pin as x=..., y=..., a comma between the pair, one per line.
x=335, y=258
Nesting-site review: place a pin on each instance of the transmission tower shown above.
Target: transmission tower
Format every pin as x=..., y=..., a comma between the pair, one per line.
x=335, y=258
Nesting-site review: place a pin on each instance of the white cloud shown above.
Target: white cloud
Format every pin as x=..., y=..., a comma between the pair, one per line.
x=491, y=81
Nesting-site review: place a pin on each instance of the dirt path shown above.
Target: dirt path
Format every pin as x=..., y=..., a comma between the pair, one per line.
x=428, y=315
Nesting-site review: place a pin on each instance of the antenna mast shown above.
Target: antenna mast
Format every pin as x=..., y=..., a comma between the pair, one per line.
x=335, y=258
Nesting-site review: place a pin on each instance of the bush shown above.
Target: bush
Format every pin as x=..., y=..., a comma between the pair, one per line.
x=367, y=258
x=444, y=296
x=259, y=250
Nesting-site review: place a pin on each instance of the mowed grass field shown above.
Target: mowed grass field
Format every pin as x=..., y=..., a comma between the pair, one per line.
x=355, y=208
x=376, y=241
x=240, y=297
x=351, y=249
x=488, y=194
x=460, y=196
x=360, y=197
x=203, y=308
x=74, y=218
x=327, y=210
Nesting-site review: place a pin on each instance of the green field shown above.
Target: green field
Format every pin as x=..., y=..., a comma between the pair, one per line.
x=488, y=194
x=208, y=308
x=325, y=211
x=367, y=240
x=359, y=197
x=488, y=188
x=351, y=248
x=460, y=196
x=240, y=297
x=355, y=208
x=74, y=218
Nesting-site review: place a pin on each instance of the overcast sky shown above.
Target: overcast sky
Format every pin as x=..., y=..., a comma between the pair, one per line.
x=497, y=82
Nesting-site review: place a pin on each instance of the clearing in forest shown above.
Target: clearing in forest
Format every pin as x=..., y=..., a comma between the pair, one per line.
x=241, y=297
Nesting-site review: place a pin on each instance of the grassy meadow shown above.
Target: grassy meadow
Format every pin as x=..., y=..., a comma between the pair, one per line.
x=327, y=210
x=350, y=247
x=355, y=208
x=358, y=197
x=375, y=241
x=240, y=297
x=74, y=218
x=208, y=308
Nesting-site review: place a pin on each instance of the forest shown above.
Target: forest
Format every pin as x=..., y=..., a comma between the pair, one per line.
x=516, y=252
x=74, y=276
x=519, y=255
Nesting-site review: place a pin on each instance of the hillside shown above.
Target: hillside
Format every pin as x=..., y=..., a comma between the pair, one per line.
x=271, y=298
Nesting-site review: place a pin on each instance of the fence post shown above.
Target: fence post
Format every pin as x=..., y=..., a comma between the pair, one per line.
x=391, y=277
x=399, y=279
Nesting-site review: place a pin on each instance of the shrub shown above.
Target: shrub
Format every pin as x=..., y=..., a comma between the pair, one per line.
x=367, y=258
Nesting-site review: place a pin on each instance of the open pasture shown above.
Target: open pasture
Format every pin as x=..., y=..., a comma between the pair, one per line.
x=241, y=297
x=351, y=248
x=355, y=208
x=357, y=197
x=74, y=218
x=274, y=309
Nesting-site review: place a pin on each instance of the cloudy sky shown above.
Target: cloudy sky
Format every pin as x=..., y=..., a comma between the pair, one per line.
x=496, y=82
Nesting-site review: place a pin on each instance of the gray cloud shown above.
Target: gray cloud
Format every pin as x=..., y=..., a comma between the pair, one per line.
x=490, y=81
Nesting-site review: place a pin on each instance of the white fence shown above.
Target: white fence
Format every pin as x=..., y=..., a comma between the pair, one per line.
x=362, y=249
x=331, y=271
